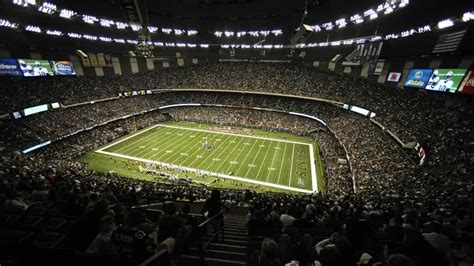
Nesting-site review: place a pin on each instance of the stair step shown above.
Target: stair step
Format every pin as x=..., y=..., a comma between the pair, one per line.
x=228, y=247
x=220, y=254
x=187, y=260
x=235, y=233
x=235, y=229
x=236, y=221
x=233, y=241
x=235, y=225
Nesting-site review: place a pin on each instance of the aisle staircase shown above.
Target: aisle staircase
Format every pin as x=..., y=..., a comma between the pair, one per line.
x=227, y=250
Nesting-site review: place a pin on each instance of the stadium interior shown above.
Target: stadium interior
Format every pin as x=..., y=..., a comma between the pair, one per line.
x=237, y=132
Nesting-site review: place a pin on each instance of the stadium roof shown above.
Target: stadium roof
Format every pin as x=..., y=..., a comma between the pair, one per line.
x=262, y=21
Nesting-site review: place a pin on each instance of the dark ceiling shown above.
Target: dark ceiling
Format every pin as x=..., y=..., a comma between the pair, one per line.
x=207, y=16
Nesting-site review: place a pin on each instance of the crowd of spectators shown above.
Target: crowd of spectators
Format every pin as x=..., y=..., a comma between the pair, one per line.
x=424, y=213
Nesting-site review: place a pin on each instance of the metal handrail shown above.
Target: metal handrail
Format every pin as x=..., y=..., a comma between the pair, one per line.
x=154, y=257
x=210, y=219
x=202, y=248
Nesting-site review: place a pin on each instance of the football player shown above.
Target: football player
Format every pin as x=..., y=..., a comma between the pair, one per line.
x=446, y=83
x=27, y=69
x=39, y=70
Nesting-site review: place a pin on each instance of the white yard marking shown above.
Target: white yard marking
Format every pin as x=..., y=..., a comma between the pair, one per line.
x=283, y=159
x=265, y=157
x=291, y=165
x=212, y=153
x=160, y=144
x=171, y=145
x=126, y=138
x=254, y=158
x=187, y=147
x=248, y=153
x=229, y=154
x=313, y=169
x=271, y=165
x=224, y=161
x=236, y=178
x=233, y=134
x=145, y=140
x=197, y=143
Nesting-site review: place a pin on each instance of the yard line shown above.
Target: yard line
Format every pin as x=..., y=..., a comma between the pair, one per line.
x=141, y=141
x=145, y=141
x=126, y=138
x=189, y=146
x=291, y=165
x=238, y=155
x=209, y=156
x=228, y=155
x=255, y=157
x=281, y=167
x=196, y=151
x=248, y=153
x=314, y=180
x=133, y=142
x=271, y=165
x=165, y=141
x=240, y=179
x=233, y=134
x=223, y=153
x=172, y=145
x=263, y=162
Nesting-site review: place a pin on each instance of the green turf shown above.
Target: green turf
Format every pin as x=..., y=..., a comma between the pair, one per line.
x=280, y=161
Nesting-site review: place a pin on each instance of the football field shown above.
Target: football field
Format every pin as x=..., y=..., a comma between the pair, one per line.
x=270, y=161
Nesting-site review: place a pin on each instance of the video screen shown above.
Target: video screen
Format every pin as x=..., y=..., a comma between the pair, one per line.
x=418, y=78
x=9, y=68
x=35, y=67
x=445, y=80
x=467, y=86
x=394, y=76
x=63, y=68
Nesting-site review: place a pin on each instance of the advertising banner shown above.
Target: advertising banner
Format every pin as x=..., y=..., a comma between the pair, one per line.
x=418, y=78
x=394, y=76
x=9, y=68
x=63, y=68
x=467, y=86
x=35, y=67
